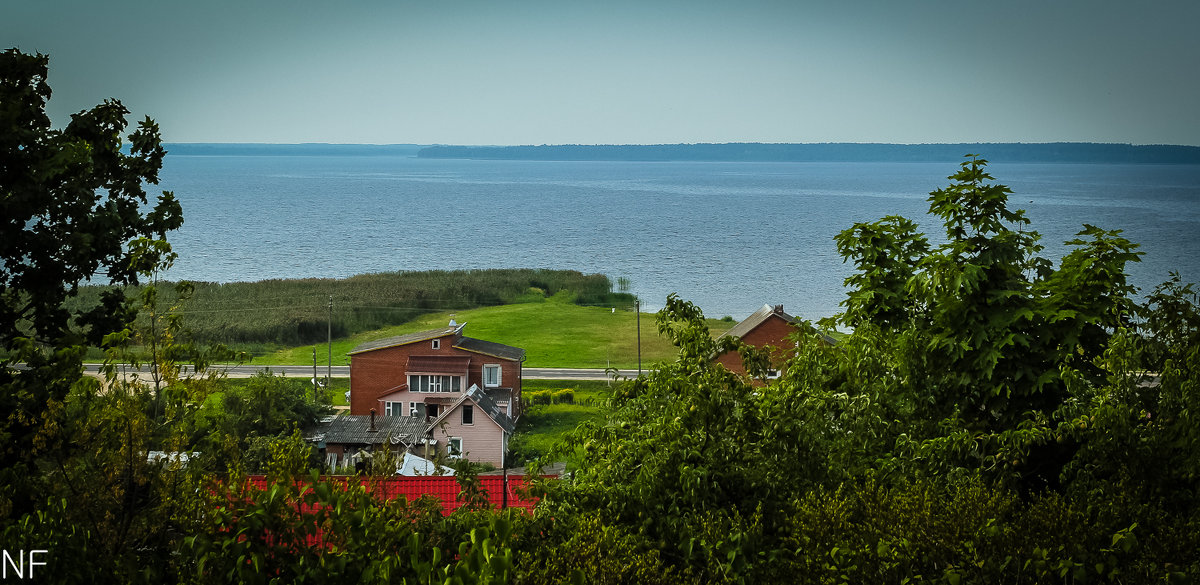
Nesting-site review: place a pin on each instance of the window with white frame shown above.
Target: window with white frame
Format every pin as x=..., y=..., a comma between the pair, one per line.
x=454, y=447
x=437, y=344
x=393, y=408
x=428, y=383
x=491, y=375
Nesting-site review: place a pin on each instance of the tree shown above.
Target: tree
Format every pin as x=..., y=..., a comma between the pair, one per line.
x=73, y=208
x=990, y=318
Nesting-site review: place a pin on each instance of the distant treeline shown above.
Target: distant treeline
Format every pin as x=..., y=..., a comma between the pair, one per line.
x=310, y=149
x=1056, y=152
x=296, y=312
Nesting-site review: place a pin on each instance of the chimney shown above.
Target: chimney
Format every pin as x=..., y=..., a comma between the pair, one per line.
x=373, y=429
x=779, y=309
x=452, y=322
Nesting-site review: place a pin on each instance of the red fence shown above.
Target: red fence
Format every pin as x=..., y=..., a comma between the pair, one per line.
x=444, y=488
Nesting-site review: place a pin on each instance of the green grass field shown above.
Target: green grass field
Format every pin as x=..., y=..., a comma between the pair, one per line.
x=554, y=333
x=543, y=425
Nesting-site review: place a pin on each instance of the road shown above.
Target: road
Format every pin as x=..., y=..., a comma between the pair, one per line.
x=344, y=372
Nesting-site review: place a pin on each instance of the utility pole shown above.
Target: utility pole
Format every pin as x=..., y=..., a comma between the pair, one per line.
x=329, y=341
x=637, y=305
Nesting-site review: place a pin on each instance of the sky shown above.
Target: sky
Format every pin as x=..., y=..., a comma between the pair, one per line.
x=502, y=72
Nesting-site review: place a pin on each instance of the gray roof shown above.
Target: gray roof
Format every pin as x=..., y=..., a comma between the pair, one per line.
x=485, y=403
x=406, y=339
x=754, y=320
x=352, y=429
x=491, y=348
x=758, y=317
x=471, y=344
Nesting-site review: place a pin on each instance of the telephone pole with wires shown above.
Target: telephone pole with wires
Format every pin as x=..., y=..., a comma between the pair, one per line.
x=329, y=341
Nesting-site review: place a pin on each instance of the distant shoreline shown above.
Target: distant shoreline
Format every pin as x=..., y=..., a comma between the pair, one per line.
x=1062, y=152
x=1053, y=152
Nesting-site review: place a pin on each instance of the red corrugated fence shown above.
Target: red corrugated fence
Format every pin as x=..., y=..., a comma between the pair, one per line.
x=444, y=488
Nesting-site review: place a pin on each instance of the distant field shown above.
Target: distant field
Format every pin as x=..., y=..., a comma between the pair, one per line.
x=554, y=332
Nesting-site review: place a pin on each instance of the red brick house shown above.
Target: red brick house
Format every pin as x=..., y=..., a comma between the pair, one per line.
x=768, y=326
x=432, y=373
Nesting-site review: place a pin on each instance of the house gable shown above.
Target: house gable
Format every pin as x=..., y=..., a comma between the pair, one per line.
x=484, y=438
x=768, y=326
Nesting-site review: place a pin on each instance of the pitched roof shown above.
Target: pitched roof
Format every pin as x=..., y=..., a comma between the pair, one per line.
x=352, y=429
x=755, y=319
x=407, y=338
x=471, y=344
x=758, y=317
x=491, y=348
x=437, y=363
x=485, y=403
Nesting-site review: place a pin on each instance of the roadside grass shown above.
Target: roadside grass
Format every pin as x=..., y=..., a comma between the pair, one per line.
x=555, y=333
x=543, y=425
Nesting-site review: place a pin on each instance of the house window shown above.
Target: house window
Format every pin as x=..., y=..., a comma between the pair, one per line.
x=393, y=408
x=427, y=383
x=432, y=410
x=772, y=374
x=468, y=414
x=437, y=344
x=491, y=375
x=454, y=447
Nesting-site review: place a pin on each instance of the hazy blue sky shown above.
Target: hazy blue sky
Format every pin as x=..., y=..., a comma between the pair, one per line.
x=534, y=72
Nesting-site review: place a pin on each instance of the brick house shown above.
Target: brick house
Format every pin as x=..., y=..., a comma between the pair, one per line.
x=768, y=326
x=439, y=372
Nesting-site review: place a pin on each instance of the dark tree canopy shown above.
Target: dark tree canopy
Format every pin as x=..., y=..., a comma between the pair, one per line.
x=73, y=207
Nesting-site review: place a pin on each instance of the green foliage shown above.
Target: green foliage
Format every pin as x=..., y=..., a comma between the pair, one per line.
x=249, y=413
x=74, y=207
x=990, y=419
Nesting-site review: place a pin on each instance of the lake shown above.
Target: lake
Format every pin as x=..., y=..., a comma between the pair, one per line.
x=730, y=237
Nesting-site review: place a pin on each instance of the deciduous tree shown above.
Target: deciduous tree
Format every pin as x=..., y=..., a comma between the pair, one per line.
x=73, y=203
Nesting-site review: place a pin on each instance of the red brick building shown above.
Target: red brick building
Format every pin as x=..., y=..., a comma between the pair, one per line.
x=768, y=326
x=428, y=374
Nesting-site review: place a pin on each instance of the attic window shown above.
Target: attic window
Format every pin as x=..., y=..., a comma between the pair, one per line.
x=437, y=344
x=468, y=414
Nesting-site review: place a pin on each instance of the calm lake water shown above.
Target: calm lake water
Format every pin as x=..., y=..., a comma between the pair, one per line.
x=727, y=236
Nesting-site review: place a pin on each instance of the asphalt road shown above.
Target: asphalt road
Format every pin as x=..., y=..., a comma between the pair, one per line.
x=344, y=372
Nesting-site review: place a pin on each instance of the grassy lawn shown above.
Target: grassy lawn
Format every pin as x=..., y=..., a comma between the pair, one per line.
x=554, y=333
x=543, y=425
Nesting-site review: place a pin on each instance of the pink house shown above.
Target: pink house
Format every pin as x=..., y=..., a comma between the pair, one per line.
x=474, y=427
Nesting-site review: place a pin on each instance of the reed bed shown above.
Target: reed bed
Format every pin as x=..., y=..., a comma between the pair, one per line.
x=297, y=311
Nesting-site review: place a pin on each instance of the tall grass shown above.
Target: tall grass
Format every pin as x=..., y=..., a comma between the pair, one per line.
x=297, y=312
